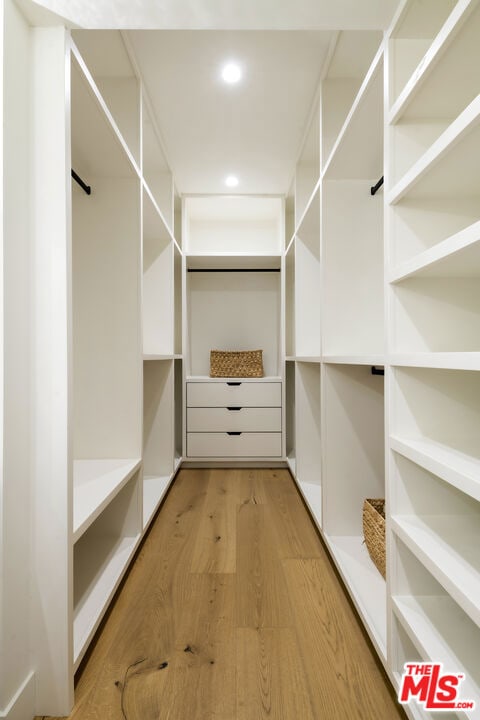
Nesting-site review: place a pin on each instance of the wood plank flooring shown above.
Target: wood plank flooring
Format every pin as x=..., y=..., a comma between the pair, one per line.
x=232, y=611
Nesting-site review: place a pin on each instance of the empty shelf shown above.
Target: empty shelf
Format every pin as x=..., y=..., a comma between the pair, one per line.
x=95, y=484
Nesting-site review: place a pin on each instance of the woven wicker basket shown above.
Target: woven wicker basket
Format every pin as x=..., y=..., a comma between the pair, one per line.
x=374, y=531
x=236, y=363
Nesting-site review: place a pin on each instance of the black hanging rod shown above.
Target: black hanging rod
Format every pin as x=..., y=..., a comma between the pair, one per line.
x=377, y=370
x=82, y=184
x=241, y=270
x=376, y=187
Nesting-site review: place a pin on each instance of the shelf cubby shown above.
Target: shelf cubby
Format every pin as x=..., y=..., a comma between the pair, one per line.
x=307, y=287
x=458, y=256
x=438, y=627
x=350, y=61
x=233, y=311
x=442, y=406
x=106, y=294
x=98, y=148
x=358, y=149
x=441, y=526
x=448, y=84
x=156, y=171
x=308, y=436
x=460, y=470
x=352, y=278
x=107, y=59
x=413, y=33
x=101, y=557
x=419, y=303
x=307, y=171
x=158, y=433
x=438, y=198
x=290, y=415
x=95, y=484
x=158, y=282
x=403, y=649
x=221, y=225
x=353, y=418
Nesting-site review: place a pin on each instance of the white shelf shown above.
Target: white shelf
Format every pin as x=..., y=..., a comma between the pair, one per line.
x=440, y=360
x=232, y=261
x=207, y=378
x=95, y=484
x=313, y=497
x=443, y=169
x=440, y=631
x=460, y=470
x=358, y=151
x=306, y=358
x=95, y=594
x=149, y=357
x=429, y=61
x=448, y=547
x=457, y=256
x=154, y=489
x=354, y=359
x=365, y=584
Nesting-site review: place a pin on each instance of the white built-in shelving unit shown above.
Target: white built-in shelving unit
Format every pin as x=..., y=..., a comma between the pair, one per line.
x=123, y=359
x=398, y=287
x=432, y=272
x=106, y=431
x=334, y=315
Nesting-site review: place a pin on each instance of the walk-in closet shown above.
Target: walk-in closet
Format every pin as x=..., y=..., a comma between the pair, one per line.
x=319, y=203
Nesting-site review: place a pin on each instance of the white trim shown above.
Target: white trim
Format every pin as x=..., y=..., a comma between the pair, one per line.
x=22, y=705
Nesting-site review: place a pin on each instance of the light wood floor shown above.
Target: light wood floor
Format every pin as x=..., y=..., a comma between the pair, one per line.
x=232, y=610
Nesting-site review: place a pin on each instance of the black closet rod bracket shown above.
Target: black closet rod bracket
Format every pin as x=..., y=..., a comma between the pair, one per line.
x=376, y=187
x=82, y=184
x=377, y=370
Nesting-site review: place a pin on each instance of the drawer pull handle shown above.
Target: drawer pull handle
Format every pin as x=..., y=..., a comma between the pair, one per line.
x=234, y=383
x=234, y=433
x=234, y=408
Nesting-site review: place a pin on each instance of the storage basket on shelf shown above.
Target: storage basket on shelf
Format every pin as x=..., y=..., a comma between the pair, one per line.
x=374, y=531
x=236, y=363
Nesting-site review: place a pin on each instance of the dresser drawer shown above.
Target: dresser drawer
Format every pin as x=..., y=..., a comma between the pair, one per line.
x=247, y=419
x=235, y=394
x=220, y=445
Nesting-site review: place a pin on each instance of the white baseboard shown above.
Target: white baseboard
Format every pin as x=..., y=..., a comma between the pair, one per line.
x=22, y=705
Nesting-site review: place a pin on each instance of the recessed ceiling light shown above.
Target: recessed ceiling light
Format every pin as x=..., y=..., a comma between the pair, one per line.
x=231, y=181
x=231, y=73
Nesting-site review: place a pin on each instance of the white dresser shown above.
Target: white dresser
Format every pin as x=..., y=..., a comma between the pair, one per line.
x=235, y=418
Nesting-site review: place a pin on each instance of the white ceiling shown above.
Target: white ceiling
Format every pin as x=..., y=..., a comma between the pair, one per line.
x=210, y=129
x=223, y=14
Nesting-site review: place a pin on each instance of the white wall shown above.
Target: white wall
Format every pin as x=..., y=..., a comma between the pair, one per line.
x=16, y=402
